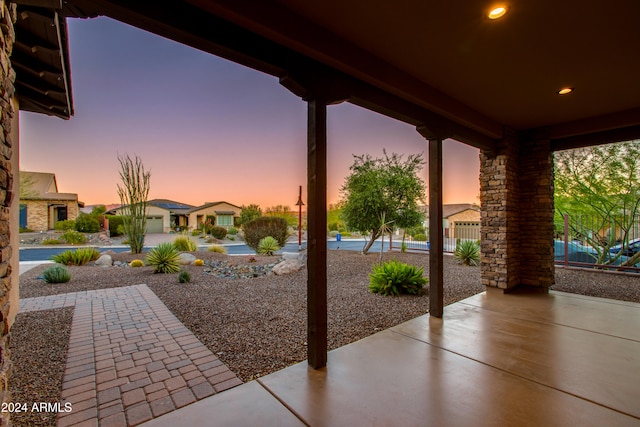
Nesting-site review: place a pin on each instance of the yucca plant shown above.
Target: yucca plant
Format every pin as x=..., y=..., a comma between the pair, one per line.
x=78, y=257
x=217, y=249
x=268, y=246
x=56, y=274
x=395, y=278
x=164, y=258
x=467, y=253
x=184, y=244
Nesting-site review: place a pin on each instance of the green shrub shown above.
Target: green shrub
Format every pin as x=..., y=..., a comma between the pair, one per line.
x=116, y=225
x=74, y=238
x=86, y=223
x=420, y=237
x=395, y=278
x=78, y=257
x=218, y=232
x=258, y=229
x=467, y=253
x=196, y=232
x=25, y=230
x=333, y=233
x=184, y=277
x=51, y=241
x=164, y=258
x=413, y=231
x=217, y=249
x=267, y=246
x=56, y=274
x=232, y=230
x=67, y=224
x=136, y=263
x=184, y=244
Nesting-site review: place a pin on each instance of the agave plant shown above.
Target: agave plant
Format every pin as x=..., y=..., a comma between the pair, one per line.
x=184, y=244
x=164, y=258
x=467, y=253
x=268, y=246
x=395, y=277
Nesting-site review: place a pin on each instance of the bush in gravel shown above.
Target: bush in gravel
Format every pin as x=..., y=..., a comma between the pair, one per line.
x=74, y=238
x=87, y=223
x=78, y=257
x=420, y=237
x=395, y=278
x=67, y=224
x=268, y=246
x=184, y=244
x=198, y=262
x=259, y=228
x=233, y=231
x=217, y=249
x=467, y=253
x=218, y=232
x=184, y=277
x=136, y=263
x=56, y=274
x=165, y=258
x=51, y=242
x=116, y=227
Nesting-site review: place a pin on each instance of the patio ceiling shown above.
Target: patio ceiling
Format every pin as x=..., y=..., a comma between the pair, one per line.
x=434, y=63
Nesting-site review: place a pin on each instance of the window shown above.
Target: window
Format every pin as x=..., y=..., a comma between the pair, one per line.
x=225, y=220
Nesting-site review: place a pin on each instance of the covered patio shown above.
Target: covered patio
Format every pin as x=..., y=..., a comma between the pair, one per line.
x=546, y=76
x=495, y=359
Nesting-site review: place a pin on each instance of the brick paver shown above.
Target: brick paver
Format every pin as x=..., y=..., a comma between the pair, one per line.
x=130, y=359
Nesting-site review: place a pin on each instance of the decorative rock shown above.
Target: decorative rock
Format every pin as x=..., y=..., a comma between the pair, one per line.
x=300, y=256
x=288, y=266
x=105, y=260
x=187, y=259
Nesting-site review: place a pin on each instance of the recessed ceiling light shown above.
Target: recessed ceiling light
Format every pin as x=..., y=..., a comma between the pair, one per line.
x=565, y=91
x=497, y=12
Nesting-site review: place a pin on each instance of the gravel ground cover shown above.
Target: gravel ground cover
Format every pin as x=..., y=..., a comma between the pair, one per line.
x=258, y=325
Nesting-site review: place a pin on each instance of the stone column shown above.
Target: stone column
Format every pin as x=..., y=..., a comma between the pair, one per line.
x=8, y=197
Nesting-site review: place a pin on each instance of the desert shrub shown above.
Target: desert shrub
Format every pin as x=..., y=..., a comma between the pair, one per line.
x=86, y=223
x=184, y=244
x=196, y=232
x=184, y=277
x=51, y=241
x=267, y=246
x=218, y=232
x=116, y=227
x=232, y=230
x=136, y=263
x=395, y=278
x=67, y=224
x=25, y=230
x=420, y=237
x=165, y=258
x=198, y=262
x=413, y=231
x=73, y=237
x=78, y=257
x=259, y=228
x=217, y=249
x=467, y=253
x=56, y=274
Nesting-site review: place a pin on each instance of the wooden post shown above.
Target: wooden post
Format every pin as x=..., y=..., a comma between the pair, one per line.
x=436, y=295
x=317, y=233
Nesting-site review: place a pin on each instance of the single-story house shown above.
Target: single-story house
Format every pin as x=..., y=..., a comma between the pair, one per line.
x=222, y=214
x=41, y=205
x=165, y=215
x=459, y=221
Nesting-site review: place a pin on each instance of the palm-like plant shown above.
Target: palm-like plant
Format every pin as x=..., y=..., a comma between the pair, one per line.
x=467, y=253
x=267, y=246
x=165, y=258
x=394, y=278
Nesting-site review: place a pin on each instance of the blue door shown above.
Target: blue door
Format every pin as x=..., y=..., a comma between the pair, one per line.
x=23, y=216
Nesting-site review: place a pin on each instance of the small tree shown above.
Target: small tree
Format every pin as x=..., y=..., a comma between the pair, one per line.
x=385, y=188
x=249, y=213
x=133, y=197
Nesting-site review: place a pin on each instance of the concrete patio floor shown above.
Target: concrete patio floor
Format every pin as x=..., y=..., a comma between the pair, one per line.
x=521, y=359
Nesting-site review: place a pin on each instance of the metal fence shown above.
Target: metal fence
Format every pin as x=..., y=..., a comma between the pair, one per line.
x=602, y=243
x=457, y=232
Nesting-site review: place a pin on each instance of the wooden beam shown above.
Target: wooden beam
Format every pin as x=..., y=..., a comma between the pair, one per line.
x=317, y=233
x=436, y=275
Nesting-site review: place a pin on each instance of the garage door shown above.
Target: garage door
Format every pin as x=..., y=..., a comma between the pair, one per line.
x=154, y=224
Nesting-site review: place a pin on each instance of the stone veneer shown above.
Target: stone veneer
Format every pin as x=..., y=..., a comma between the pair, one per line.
x=516, y=196
x=8, y=197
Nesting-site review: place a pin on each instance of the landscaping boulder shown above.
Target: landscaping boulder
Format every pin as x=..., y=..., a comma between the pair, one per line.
x=288, y=266
x=186, y=258
x=105, y=260
x=300, y=256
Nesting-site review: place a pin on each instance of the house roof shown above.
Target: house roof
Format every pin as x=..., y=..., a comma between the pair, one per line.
x=170, y=205
x=42, y=186
x=212, y=204
x=441, y=66
x=453, y=209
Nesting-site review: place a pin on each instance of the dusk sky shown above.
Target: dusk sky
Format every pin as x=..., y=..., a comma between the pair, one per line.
x=208, y=129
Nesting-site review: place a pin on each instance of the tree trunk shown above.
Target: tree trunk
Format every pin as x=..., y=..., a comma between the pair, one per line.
x=370, y=243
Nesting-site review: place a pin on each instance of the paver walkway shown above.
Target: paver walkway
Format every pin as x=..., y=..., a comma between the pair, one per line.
x=130, y=359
